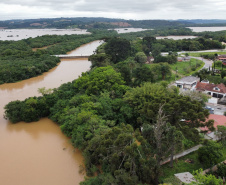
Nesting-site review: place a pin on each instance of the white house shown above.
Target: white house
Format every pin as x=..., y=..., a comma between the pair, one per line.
x=215, y=90
x=187, y=83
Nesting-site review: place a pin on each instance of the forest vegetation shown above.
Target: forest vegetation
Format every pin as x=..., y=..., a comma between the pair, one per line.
x=121, y=114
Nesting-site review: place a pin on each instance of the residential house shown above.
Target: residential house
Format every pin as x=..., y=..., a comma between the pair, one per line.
x=187, y=83
x=215, y=90
x=222, y=58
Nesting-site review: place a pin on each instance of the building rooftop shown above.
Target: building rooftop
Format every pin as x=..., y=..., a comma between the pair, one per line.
x=188, y=79
x=219, y=88
x=185, y=177
x=221, y=56
x=218, y=120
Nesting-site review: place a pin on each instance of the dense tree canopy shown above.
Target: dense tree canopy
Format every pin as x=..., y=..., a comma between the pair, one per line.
x=122, y=121
x=118, y=48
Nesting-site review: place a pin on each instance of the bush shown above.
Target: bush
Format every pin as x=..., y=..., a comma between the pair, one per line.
x=193, y=68
x=209, y=154
x=221, y=170
x=218, y=63
x=188, y=143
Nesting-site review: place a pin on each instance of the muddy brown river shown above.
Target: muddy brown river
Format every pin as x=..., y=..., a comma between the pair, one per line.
x=38, y=153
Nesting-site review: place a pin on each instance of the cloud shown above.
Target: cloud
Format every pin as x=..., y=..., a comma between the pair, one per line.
x=128, y=9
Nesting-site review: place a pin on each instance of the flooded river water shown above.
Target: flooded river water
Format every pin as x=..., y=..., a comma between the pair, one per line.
x=19, y=34
x=38, y=153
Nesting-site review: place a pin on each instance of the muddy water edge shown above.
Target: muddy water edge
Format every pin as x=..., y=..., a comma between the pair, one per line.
x=38, y=153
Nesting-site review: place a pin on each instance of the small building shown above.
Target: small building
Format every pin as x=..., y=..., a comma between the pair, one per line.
x=187, y=83
x=185, y=177
x=215, y=90
x=150, y=59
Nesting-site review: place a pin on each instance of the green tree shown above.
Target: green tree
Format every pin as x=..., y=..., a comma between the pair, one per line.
x=118, y=48
x=13, y=111
x=221, y=133
x=202, y=74
x=147, y=44
x=171, y=59
x=156, y=49
x=140, y=57
x=164, y=70
x=163, y=138
x=99, y=60
x=143, y=74
x=223, y=74
x=99, y=80
x=195, y=95
x=117, y=148
x=146, y=100
x=202, y=178
x=209, y=154
x=221, y=170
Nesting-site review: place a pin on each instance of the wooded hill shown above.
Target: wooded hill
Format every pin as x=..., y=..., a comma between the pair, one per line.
x=100, y=22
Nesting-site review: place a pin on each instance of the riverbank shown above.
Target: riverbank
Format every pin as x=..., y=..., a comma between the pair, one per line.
x=38, y=153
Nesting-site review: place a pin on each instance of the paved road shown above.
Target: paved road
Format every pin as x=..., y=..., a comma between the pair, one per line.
x=208, y=63
x=201, y=51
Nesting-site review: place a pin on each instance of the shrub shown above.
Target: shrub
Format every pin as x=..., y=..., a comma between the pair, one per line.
x=209, y=154
x=221, y=170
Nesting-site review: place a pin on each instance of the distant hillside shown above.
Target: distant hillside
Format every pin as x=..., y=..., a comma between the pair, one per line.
x=105, y=23
x=86, y=23
x=203, y=21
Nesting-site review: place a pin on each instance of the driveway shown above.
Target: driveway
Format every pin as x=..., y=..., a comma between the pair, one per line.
x=208, y=63
x=218, y=109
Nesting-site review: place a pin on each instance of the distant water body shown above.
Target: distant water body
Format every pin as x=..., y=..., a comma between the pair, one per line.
x=177, y=37
x=19, y=34
x=202, y=29
x=128, y=30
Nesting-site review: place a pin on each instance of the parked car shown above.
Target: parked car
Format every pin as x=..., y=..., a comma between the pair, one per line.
x=210, y=109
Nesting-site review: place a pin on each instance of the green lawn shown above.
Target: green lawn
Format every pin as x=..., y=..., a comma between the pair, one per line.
x=199, y=54
x=181, y=166
x=187, y=68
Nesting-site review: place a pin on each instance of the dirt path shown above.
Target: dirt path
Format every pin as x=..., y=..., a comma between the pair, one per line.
x=186, y=152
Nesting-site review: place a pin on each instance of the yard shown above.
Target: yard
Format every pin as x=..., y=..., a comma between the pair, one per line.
x=188, y=163
x=206, y=53
x=187, y=68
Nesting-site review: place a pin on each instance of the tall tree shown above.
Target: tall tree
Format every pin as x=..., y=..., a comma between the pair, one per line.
x=146, y=100
x=140, y=57
x=156, y=49
x=118, y=48
x=163, y=138
x=147, y=44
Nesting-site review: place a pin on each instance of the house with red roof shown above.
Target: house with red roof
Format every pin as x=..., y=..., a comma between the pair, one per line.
x=215, y=90
x=222, y=58
x=218, y=120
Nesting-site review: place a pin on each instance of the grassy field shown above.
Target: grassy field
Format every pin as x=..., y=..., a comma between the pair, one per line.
x=187, y=68
x=204, y=53
x=181, y=166
x=183, y=69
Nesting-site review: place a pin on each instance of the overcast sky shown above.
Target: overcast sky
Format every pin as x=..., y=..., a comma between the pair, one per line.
x=126, y=9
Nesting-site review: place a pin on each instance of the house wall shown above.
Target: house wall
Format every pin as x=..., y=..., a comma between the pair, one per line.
x=219, y=95
x=184, y=85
